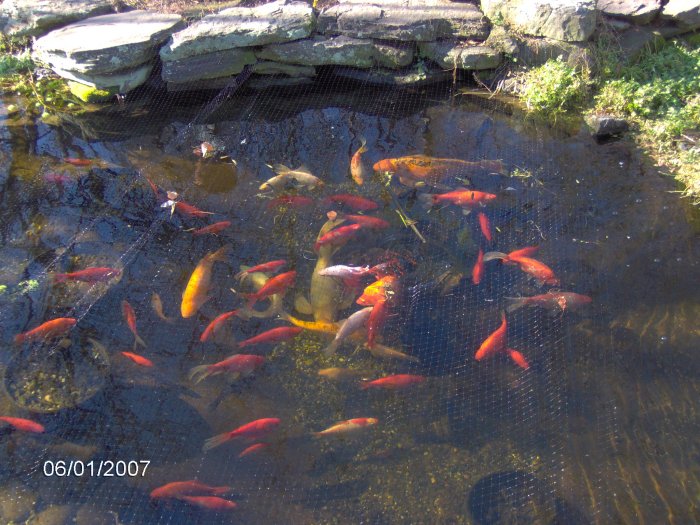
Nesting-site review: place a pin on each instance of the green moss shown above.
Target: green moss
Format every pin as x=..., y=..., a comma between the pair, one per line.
x=14, y=64
x=91, y=93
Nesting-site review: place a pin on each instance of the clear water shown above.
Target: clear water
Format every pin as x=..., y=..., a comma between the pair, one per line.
x=601, y=429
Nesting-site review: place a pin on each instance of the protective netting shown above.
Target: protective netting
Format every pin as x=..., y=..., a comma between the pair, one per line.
x=477, y=442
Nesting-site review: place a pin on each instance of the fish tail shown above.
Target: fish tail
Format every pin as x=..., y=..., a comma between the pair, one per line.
x=331, y=348
x=280, y=169
x=220, y=254
x=59, y=278
x=140, y=341
x=216, y=441
x=364, y=385
x=490, y=256
x=427, y=200
x=220, y=491
x=19, y=339
x=200, y=373
x=515, y=303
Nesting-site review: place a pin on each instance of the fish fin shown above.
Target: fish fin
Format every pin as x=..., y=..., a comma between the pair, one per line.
x=331, y=348
x=221, y=253
x=140, y=341
x=466, y=211
x=490, y=256
x=303, y=168
x=220, y=491
x=515, y=303
x=19, y=339
x=427, y=200
x=302, y=305
x=199, y=373
x=280, y=169
x=216, y=441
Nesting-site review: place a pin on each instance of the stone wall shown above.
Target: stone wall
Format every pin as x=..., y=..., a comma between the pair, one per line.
x=384, y=41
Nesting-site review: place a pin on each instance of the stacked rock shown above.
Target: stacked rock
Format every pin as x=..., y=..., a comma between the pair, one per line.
x=108, y=54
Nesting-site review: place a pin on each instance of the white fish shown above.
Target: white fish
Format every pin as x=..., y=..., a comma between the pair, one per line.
x=351, y=325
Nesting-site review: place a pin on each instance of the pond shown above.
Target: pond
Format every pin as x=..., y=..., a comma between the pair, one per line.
x=586, y=414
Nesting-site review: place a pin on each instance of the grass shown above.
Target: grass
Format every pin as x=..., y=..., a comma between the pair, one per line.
x=658, y=93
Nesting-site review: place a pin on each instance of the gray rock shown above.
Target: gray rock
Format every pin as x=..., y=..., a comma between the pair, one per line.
x=109, y=43
x=606, y=125
x=463, y=56
x=686, y=13
x=418, y=75
x=567, y=20
x=209, y=65
x=267, y=82
x=54, y=515
x=531, y=51
x=637, y=11
x=271, y=23
x=123, y=81
x=403, y=20
x=276, y=68
x=37, y=17
x=340, y=51
x=634, y=40
x=199, y=85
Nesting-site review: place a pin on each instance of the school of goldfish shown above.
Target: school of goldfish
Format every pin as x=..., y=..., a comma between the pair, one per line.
x=373, y=290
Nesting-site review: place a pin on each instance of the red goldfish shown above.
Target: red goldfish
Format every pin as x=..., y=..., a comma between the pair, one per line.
x=337, y=236
x=212, y=228
x=250, y=431
x=550, y=300
x=496, y=343
x=376, y=321
x=257, y=447
x=157, y=306
x=357, y=169
x=394, y=382
x=275, y=335
x=130, y=318
x=58, y=178
x=366, y=221
x=478, y=269
x=349, y=426
x=540, y=271
x=275, y=285
x=209, y=502
x=24, y=425
x=512, y=256
x=293, y=201
x=190, y=211
x=77, y=162
x=88, y=275
x=215, y=324
x=238, y=365
x=178, y=489
x=485, y=226
x=268, y=267
x=463, y=198
x=354, y=202
x=48, y=330
x=138, y=359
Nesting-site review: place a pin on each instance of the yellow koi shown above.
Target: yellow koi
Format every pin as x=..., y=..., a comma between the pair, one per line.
x=197, y=290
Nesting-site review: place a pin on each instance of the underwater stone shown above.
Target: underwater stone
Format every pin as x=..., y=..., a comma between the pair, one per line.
x=637, y=11
x=106, y=44
x=90, y=93
x=271, y=23
x=465, y=56
x=686, y=13
x=37, y=17
x=403, y=20
x=209, y=65
x=17, y=502
x=568, y=20
x=418, y=75
x=122, y=82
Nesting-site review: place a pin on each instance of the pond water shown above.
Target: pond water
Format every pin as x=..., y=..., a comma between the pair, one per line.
x=601, y=428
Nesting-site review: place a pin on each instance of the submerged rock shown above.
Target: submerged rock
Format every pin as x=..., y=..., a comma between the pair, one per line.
x=637, y=11
x=271, y=23
x=339, y=50
x=107, y=44
x=449, y=55
x=37, y=17
x=401, y=20
x=276, y=68
x=120, y=82
x=17, y=502
x=568, y=20
x=417, y=75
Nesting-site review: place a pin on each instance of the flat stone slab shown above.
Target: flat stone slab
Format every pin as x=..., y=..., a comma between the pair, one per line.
x=106, y=44
x=686, y=13
x=340, y=51
x=418, y=75
x=122, y=81
x=637, y=11
x=210, y=65
x=37, y=17
x=462, y=56
x=567, y=20
x=404, y=20
x=271, y=23
x=290, y=70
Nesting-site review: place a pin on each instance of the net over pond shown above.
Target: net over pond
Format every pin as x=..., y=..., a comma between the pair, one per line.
x=338, y=303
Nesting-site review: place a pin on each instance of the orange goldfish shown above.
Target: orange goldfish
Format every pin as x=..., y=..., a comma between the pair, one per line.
x=466, y=199
x=88, y=275
x=209, y=502
x=197, y=290
x=357, y=168
x=496, y=343
x=215, y=324
x=138, y=359
x=23, y=425
x=273, y=335
x=130, y=318
x=257, y=447
x=478, y=269
x=376, y=321
x=338, y=236
x=380, y=290
x=251, y=431
x=273, y=286
x=48, y=330
x=178, y=489
x=394, y=382
x=540, y=271
x=238, y=365
x=212, y=228
x=268, y=267
x=550, y=300
x=354, y=202
x=348, y=427
x=190, y=211
x=157, y=306
x=341, y=374
x=485, y=226
x=416, y=170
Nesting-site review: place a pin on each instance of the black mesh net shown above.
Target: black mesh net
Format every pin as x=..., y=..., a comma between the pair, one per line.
x=486, y=441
